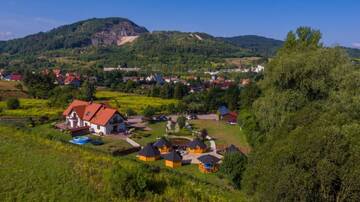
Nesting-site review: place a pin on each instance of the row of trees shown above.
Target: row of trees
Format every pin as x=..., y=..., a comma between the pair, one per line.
x=42, y=86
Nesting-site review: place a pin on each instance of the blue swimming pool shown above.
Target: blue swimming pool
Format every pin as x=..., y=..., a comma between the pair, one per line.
x=80, y=140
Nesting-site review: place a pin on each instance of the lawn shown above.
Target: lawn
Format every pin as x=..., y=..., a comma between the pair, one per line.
x=225, y=134
x=123, y=101
x=31, y=108
x=110, y=145
x=144, y=137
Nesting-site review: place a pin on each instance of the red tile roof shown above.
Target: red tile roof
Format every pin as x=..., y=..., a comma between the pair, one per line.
x=15, y=77
x=72, y=105
x=103, y=116
x=99, y=114
x=91, y=110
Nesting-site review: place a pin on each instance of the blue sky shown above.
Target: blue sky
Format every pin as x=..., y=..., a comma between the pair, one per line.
x=338, y=20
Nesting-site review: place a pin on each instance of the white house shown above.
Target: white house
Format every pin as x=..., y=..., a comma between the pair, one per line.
x=99, y=118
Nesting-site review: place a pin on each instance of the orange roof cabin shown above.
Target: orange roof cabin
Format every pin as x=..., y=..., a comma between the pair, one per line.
x=99, y=118
x=163, y=145
x=208, y=163
x=196, y=147
x=149, y=153
x=173, y=159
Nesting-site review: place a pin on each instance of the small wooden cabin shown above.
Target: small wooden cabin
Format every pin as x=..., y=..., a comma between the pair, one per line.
x=196, y=147
x=173, y=159
x=163, y=145
x=149, y=153
x=208, y=163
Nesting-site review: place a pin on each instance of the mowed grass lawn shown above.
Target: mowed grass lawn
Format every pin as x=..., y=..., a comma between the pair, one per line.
x=133, y=101
x=30, y=108
x=224, y=133
x=144, y=137
x=110, y=145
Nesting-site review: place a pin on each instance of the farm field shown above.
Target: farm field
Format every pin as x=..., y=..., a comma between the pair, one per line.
x=8, y=89
x=31, y=108
x=123, y=101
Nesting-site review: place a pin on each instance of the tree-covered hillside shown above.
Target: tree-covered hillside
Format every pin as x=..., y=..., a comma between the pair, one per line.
x=166, y=51
x=79, y=34
x=305, y=125
x=256, y=44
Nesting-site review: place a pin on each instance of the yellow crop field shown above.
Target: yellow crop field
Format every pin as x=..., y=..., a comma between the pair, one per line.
x=123, y=101
x=30, y=107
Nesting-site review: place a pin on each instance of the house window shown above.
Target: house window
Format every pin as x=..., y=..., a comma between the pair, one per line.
x=98, y=127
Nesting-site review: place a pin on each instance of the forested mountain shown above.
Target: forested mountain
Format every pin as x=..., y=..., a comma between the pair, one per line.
x=106, y=31
x=118, y=41
x=113, y=42
x=256, y=44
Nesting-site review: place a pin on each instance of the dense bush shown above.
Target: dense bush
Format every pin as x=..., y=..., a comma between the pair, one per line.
x=233, y=167
x=181, y=121
x=149, y=111
x=130, y=183
x=13, y=103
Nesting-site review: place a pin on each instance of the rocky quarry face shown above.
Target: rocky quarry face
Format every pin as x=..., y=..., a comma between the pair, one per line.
x=117, y=34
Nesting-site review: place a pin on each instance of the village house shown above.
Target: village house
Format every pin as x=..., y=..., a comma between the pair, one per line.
x=72, y=79
x=99, y=118
x=13, y=77
x=227, y=115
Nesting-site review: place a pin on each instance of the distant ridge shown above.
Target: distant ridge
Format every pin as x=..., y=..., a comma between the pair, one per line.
x=257, y=44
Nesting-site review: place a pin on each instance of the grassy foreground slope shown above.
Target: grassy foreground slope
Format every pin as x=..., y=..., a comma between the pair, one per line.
x=34, y=168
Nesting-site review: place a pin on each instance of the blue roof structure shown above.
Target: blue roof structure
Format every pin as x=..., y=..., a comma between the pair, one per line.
x=159, y=79
x=223, y=110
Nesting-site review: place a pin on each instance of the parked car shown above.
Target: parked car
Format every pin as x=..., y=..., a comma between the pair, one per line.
x=191, y=117
x=159, y=118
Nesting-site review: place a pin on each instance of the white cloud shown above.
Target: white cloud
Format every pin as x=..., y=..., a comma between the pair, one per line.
x=356, y=45
x=6, y=35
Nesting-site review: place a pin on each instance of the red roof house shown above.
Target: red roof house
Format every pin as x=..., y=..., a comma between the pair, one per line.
x=98, y=117
x=15, y=77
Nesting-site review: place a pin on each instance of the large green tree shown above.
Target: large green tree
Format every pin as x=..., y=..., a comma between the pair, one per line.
x=309, y=113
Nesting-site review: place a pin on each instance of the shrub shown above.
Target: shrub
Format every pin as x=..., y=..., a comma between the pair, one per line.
x=129, y=183
x=181, y=120
x=13, y=103
x=130, y=112
x=233, y=167
x=149, y=111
